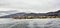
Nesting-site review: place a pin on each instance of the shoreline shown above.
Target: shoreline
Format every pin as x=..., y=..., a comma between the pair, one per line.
x=32, y=17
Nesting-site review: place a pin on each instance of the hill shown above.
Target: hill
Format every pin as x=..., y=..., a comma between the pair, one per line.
x=57, y=13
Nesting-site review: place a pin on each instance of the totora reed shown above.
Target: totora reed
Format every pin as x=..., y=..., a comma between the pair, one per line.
x=32, y=17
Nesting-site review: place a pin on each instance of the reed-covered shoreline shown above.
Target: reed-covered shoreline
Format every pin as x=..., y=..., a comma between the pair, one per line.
x=32, y=17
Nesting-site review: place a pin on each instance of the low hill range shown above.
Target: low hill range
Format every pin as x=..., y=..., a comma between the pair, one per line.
x=57, y=13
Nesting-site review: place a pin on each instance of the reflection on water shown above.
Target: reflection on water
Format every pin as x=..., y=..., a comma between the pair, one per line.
x=31, y=23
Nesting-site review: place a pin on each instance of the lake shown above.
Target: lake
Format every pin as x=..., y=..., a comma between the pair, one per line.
x=30, y=23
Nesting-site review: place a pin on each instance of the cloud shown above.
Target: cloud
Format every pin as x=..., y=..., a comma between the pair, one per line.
x=36, y=6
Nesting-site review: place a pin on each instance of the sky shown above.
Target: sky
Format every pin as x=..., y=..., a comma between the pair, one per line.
x=28, y=6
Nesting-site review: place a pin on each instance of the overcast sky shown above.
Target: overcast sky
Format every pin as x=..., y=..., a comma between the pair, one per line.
x=36, y=6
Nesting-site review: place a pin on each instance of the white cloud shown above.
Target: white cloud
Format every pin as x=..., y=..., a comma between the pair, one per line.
x=36, y=6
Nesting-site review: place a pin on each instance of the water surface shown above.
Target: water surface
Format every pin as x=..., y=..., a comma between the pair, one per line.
x=30, y=23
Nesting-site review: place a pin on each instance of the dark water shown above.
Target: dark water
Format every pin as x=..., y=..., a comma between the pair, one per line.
x=31, y=23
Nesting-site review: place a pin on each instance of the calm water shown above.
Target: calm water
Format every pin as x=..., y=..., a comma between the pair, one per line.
x=30, y=23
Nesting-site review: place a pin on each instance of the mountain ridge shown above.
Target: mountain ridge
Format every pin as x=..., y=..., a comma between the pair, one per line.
x=57, y=13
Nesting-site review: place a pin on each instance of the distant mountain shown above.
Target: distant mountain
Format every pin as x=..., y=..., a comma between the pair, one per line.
x=57, y=13
x=9, y=16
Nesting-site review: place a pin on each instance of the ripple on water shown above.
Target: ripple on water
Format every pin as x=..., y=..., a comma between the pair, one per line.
x=30, y=23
